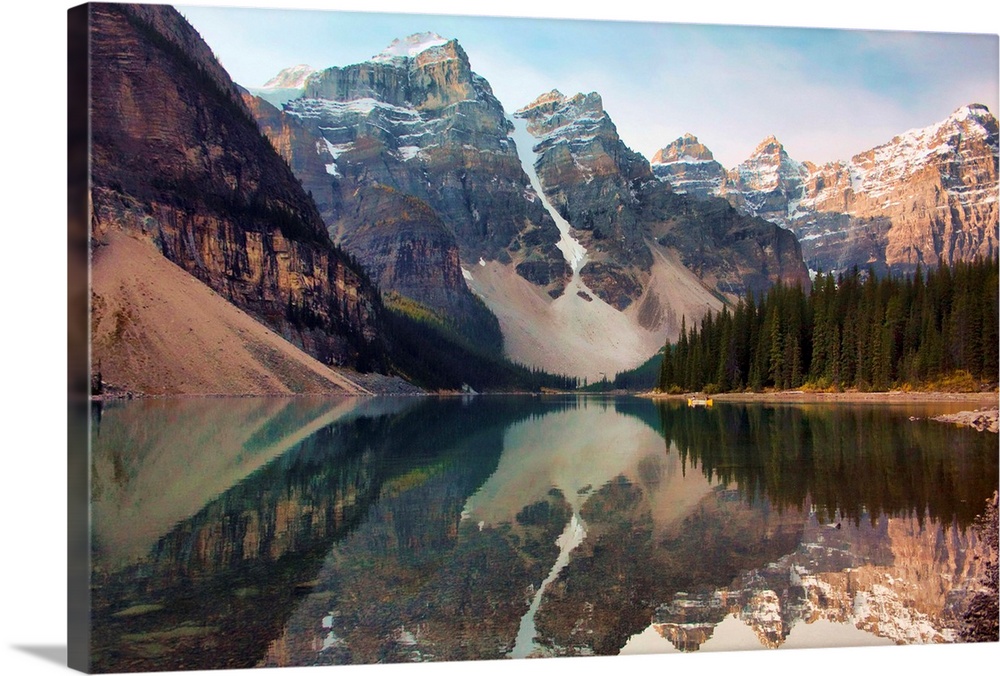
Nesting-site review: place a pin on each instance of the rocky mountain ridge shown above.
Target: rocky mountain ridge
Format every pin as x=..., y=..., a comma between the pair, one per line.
x=589, y=176
x=177, y=160
x=293, y=77
x=415, y=133
x=927, y=195
x=884, y=583
x=610, y=196
x=689, y=167
x=766, y=182
x=603, y=244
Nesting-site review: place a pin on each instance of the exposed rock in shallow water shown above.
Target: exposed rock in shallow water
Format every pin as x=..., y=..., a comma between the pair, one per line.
x=980, y=419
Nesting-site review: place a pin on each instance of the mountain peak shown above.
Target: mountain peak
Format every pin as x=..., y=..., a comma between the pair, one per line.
x=411, y=46
x=972, y=121
x=972, y=110
x=686, y=148
x=591, y=101
x=548, y=101
x=769, y=146
x=976, y=113
x=689, y=167
x=293, y=77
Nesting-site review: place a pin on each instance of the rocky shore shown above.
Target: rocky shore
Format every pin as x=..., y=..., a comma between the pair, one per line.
x=983, y=419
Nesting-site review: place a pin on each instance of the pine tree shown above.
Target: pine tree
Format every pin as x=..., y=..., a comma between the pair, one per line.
x=776, y=347
x=666, y=369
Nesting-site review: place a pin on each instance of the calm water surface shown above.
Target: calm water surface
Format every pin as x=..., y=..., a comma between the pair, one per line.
x=299, y=531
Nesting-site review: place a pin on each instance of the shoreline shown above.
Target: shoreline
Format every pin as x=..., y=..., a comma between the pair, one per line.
x=784, y=396
x=801, y=396
x=978, y=410
x=981, y=410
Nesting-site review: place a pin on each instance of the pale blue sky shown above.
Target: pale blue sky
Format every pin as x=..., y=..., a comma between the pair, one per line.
x=826, y=94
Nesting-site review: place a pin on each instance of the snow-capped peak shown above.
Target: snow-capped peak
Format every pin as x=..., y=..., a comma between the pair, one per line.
x=557, y=107
x=686, y=149
x=770, y=168
x=769, y=146
x=410, y=47
x=924, y=138
x=975, y=113
x=293, y=77
x=878, y=170
x=973, y=110
x=554, y=96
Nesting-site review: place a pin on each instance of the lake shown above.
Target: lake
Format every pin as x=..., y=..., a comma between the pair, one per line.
x=298, y=531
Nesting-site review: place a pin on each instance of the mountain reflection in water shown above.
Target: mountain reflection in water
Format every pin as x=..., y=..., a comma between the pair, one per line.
x=236, y=533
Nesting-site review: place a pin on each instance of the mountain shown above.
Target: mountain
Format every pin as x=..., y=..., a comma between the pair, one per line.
x=643, y=257
x=625, y=218
x=293, y=77
x=591, y=177
x=415, y=136
x=928, y=195
x=419, y=173
x=183, y=179
x=285, y=86
x=765, y=183
x=925, y=196
x=883, y=578
x=689, y=166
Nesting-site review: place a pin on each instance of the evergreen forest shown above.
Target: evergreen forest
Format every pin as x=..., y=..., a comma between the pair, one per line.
x=854, y=331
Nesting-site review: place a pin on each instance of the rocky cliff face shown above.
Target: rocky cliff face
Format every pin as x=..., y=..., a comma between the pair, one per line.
x=177, y=159
x=729, y=252
x=618, y=210
x=766, y=182
x=408, y=251
x=588, y=174
x=417, y=120
x=537, y=242
x=689, y=167
x=894, y=578
x=928, y=195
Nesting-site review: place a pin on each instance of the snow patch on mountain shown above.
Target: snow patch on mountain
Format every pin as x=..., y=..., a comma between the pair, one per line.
x=407, y=152
x=293, y=77
x=684, y=159
x=322, y=108
x=334, y=150
x=572, y=537
x=574, y=252
x=409, y=47
x=880, y=170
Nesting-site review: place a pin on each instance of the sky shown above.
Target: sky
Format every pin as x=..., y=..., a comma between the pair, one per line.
x=825, y=93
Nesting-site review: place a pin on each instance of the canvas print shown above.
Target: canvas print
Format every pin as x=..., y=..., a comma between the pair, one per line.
x=430, y=338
